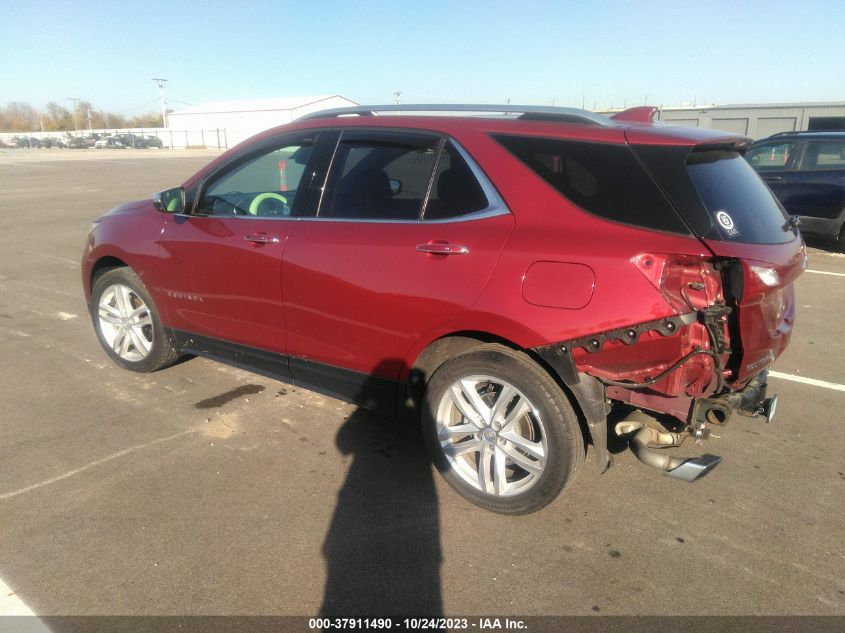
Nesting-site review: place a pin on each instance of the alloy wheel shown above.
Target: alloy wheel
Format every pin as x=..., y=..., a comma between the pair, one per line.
x=491, y=435
x=125, y=322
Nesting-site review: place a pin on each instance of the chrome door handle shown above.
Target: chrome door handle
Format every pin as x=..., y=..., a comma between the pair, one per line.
x=261, y=238
x=772, y=178
x=435, y=248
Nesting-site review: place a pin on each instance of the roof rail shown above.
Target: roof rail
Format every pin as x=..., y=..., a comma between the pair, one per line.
x=531, y=113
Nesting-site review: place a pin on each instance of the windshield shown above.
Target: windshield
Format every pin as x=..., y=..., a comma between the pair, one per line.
x=742, y=207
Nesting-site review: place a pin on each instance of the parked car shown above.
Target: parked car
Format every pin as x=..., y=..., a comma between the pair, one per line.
x=109, y=142
x=504, y=279
x=79, y=142
x=806, y=171
x=153, y=141
x=27, y=141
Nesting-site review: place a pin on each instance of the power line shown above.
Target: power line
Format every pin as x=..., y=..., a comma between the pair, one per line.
x=143, y=105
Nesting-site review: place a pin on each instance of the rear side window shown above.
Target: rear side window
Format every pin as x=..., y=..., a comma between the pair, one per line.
x=455, y=191
x=742, y=207
x=821, y=155
x=604, y=179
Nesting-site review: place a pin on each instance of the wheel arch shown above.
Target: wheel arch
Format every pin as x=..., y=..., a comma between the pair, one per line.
x=103, y=264
x=586, y=397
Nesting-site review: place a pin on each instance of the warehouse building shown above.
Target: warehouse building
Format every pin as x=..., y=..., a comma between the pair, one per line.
x=227, y=123
x=759, y=121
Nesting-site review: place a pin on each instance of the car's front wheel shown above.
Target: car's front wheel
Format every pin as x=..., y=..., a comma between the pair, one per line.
x=127, y=323
x=501, y=431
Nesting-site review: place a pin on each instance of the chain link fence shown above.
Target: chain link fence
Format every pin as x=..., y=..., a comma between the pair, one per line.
x=137, y=138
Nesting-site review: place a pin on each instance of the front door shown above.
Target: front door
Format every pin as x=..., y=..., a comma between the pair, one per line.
x=220, y=265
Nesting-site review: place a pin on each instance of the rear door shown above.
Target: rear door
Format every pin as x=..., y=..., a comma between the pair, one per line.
x=818, y=184
x=407, y=233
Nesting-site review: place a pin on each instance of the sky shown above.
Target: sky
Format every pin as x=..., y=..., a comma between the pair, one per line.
x=567, y=53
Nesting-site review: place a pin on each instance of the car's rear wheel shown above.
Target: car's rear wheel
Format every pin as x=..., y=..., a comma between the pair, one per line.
x=501, y=431
x=127, y=323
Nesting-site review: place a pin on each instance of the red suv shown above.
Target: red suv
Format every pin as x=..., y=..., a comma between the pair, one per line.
x=506, y=277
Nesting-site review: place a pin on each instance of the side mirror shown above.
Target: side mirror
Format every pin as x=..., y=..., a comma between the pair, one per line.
x=170, y=200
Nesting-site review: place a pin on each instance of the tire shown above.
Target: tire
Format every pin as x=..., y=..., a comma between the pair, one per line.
x=840, y=241
x=531, y=441
x=127, y=323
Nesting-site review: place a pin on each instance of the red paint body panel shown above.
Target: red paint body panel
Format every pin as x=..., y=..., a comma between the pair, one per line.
x=218, y=284
x=641, y=114
x=558, y=285
x=359, y=295
x=766, y=314
x=129, y=233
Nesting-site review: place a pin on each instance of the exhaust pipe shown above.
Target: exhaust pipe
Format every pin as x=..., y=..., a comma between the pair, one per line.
x=751, y=401
x=645, y=441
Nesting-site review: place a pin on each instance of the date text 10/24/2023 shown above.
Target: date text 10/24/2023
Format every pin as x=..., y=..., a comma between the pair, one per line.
x=416, y=624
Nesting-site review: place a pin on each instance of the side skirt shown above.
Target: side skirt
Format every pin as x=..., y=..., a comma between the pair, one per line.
x=370, y=392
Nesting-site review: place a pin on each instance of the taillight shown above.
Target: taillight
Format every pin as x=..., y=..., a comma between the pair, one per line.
x=764, y=277
x=765, y=284
x=686, y=282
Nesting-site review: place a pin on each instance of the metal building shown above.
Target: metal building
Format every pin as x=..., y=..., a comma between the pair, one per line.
x=238, y=120
x=761, y=120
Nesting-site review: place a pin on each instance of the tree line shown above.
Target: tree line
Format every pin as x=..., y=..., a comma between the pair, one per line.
x=18, y=116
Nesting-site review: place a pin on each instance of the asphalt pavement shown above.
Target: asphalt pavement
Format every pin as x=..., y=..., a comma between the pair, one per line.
x=203, y=489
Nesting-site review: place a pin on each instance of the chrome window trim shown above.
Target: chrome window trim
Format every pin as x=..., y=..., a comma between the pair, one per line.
x=494, y=200
x=477, y=215
x=234, y=217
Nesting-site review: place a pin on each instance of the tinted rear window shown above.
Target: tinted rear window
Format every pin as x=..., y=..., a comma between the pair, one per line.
x=742, y=207
x=604, y=179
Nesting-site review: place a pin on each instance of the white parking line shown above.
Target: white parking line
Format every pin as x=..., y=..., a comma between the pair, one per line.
x=76, y=471
x=808, y=381
x=20, y=617
x=10, y=604
x=824, y=272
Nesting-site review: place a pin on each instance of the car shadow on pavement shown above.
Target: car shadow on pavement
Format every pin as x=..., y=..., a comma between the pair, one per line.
x=382, y=549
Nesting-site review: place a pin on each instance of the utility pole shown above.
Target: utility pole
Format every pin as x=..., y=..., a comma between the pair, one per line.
x=161, y=83
x=75, y=100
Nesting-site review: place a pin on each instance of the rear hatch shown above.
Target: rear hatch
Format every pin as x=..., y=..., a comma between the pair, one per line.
x=740, y=221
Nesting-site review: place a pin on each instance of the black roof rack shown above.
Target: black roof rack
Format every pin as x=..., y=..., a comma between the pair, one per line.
x=530, y=113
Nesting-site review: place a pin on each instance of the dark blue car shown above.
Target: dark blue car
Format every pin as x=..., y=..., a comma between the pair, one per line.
x=806, y=171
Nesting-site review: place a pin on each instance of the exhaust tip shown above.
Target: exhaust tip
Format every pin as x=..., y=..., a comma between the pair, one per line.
x=695, y=468
x=770, y=406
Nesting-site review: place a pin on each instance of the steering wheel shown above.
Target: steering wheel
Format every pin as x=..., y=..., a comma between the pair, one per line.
x=261, y=197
